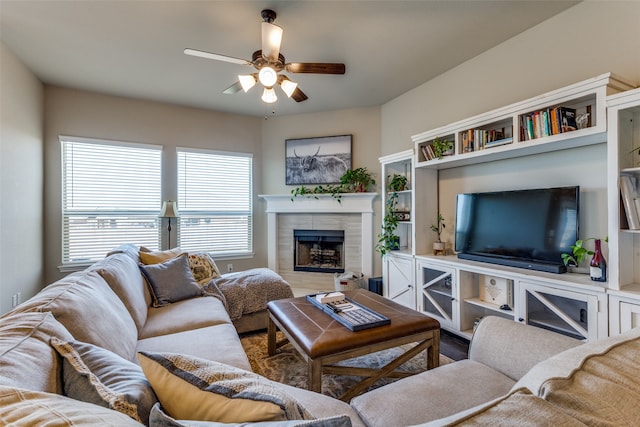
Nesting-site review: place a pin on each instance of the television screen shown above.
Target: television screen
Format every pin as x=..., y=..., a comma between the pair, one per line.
x=522, y=228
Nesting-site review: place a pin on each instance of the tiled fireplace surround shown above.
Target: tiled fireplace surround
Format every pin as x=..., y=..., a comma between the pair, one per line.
x=354, y=215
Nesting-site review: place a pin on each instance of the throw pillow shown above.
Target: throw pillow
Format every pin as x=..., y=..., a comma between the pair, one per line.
x=20, y=407
x=156, y=257
x=203, y=268
x=192, y=388
x=171, y=281
x=159, y=418
x=95, y=375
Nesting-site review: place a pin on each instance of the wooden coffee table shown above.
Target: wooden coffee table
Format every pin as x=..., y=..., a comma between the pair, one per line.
x=322, y=341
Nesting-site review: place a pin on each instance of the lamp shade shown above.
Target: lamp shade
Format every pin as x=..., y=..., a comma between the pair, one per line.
x=269, y=95
x=247, y=81
x=169, y=209
x=288, y=86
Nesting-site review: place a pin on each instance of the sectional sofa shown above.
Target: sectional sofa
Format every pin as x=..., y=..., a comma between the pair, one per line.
x=100, y=347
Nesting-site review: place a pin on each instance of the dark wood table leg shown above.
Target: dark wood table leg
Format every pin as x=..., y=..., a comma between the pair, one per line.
x=271, y=337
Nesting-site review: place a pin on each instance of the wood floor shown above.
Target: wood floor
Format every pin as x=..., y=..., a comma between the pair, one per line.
x=453, y=346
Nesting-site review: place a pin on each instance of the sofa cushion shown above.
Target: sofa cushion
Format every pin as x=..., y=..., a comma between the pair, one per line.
x=85, y=304
x=95, y=375
x=160, y=419
x=220, y=343
x=446, y=390
x=203, y=267
x=22, y=407
x=156, y=257
x=518, y=408
x=596, y=383
x=194, y=388
x=171, y=281
x=184, y=315
x=26, y=358
x=497, y=343
x=122, y=274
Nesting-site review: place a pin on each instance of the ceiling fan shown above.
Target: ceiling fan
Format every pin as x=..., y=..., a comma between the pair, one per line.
x=269, y=62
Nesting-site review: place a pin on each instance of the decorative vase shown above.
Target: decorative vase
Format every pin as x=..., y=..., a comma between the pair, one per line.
x=598, y=265
x=439, y=248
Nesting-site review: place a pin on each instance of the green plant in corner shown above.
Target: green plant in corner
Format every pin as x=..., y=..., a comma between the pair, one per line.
x=387, y=240
x=441, y=146
x=578, y=252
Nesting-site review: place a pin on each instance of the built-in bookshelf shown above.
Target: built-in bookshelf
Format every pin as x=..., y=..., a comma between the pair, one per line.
x=565, y=118
x=450, y=289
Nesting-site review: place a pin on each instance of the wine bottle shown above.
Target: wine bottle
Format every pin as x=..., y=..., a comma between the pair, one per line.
x=598, y=265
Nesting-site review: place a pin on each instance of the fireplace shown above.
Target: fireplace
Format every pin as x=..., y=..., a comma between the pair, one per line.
x=318, y=250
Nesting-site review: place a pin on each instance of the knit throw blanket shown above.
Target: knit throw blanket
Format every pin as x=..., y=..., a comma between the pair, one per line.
x=249, y=291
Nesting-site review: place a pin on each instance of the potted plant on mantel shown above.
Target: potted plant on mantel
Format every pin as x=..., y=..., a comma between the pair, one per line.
x=387, y=239
x=439, y=246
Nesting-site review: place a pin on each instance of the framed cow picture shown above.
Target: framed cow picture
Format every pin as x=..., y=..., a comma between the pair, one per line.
x=321, y=160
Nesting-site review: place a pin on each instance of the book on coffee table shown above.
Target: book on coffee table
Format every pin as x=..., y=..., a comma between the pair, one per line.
x=351, y=314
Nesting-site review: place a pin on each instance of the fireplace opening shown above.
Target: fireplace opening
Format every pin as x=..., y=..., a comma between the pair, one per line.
x=318, y=250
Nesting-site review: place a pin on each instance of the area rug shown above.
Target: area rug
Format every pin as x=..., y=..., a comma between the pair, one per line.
x=288, y=367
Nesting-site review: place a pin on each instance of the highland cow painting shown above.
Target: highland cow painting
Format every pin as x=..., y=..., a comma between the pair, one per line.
x=317, y=160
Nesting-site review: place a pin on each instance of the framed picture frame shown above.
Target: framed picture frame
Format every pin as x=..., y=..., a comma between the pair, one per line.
x=320, y=160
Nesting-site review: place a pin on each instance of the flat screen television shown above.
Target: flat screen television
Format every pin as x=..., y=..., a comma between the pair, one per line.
x=521, y=228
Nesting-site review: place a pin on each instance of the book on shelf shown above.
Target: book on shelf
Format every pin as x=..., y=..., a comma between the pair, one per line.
x=547, y=122
x=629, y=195
x=481, y=139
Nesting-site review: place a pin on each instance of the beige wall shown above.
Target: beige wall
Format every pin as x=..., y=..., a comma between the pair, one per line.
x=587, y=40
x=21, y=180
x=362, y=123
x=92, y=115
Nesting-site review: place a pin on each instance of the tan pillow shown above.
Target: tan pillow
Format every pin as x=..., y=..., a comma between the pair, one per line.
x=157, y=257
x=197, y=389
x=203, y=268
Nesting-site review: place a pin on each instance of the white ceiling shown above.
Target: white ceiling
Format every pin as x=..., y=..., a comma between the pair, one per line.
x=135, y=48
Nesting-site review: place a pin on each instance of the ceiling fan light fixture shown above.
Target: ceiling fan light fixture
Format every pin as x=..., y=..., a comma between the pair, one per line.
x=269, y=95
x=271, y=40
x=288, y=87
x=268, y=77
x=247, y=81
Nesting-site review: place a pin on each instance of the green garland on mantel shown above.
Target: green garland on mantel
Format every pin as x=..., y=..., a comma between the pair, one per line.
x=353, y=181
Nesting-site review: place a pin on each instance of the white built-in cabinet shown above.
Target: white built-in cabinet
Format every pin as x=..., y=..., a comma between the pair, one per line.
x=624, y=242
x=454, y=291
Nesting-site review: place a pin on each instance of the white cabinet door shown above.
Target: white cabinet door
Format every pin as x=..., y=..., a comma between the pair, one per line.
x=564, y=311
x=398, y=280
x=624, y=314
x=437, y=290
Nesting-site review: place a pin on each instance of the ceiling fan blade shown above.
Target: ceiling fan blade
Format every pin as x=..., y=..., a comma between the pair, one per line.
x=209, y=55
x=271, y=40
x=315, y=68
x=299, y=95
x=234, y=88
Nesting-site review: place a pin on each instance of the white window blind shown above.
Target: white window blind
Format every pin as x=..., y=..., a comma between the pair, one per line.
x=215, y=200
x=110, y=195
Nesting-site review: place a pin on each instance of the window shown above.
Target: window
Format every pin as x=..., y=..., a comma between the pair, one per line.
x=110, y=195
x=215, y=200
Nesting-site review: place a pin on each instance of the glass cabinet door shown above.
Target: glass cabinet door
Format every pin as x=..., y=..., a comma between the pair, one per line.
x=568, y=313
x=436, y=287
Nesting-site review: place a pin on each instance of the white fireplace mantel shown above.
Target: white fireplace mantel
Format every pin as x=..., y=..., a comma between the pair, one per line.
x=356, y=203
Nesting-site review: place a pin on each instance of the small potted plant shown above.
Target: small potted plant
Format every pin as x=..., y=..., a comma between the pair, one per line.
x=357, y=180
x=438, y=227
x=578, y=254
x=397, y=182
x=442, y=147
x=387, y=239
